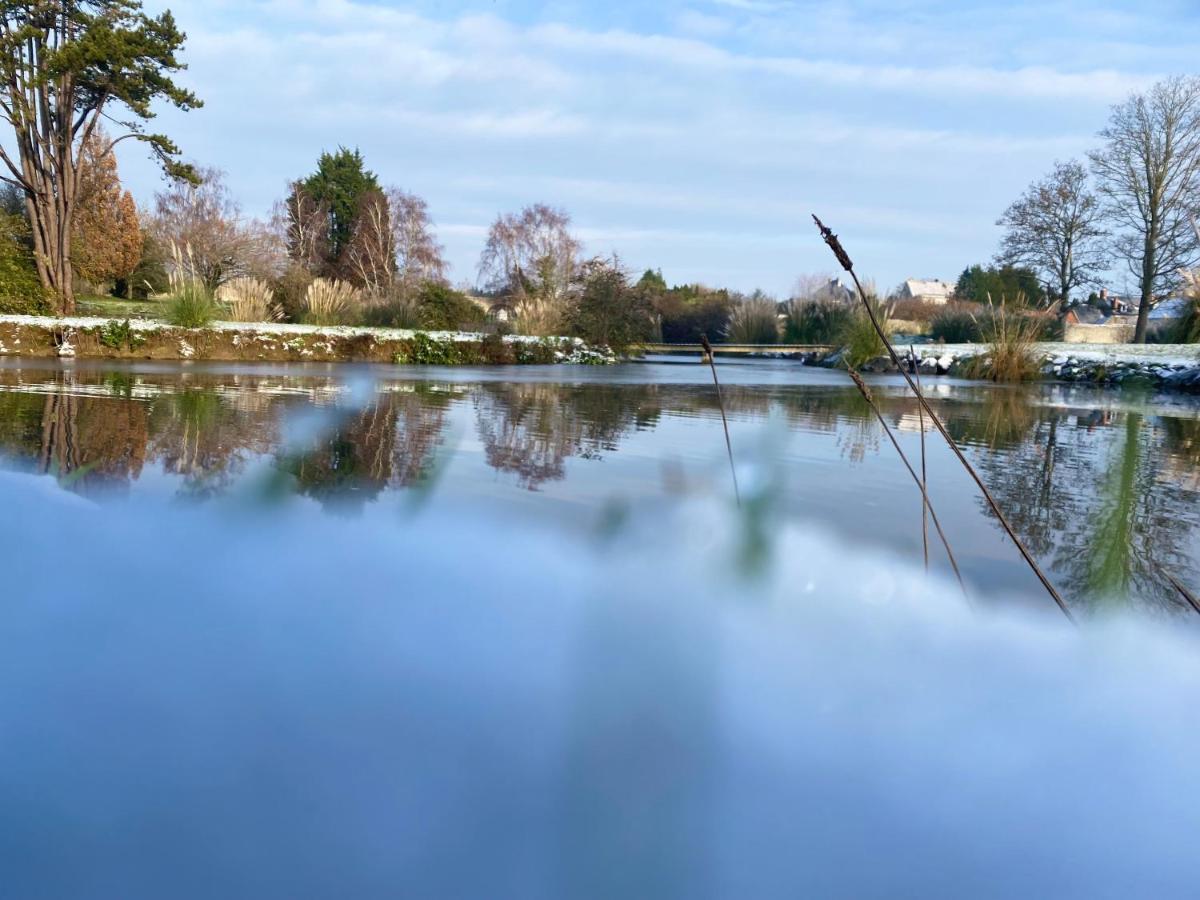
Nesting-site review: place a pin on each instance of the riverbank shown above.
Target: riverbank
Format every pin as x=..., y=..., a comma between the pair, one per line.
x=1170, y=366
x=100, y=338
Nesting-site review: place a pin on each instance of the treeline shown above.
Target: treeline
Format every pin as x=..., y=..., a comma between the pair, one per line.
x=343, y=248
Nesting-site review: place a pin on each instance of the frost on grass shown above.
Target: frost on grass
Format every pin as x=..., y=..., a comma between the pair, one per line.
x=273, y=702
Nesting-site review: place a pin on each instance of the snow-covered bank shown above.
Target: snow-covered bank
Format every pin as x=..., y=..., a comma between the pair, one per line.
x=1175, y=366
x=103, y=338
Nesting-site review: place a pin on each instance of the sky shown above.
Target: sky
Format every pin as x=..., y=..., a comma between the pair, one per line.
x=695, y=136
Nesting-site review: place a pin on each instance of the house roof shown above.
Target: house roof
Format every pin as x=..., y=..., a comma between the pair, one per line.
x=928, y=287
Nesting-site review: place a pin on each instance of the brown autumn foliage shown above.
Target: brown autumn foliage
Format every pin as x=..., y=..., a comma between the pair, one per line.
x=108, y=239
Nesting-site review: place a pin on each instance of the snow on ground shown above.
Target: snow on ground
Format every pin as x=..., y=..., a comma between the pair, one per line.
x=276, y=328
x=1162, y=354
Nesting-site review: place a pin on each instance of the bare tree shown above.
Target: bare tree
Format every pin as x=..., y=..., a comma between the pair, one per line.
x=418, y=254
x=304, y=223
x=369, y=260
x=811, y=285
x=531, y=253
x=205, y=223
x=1055, y=229
x=1148, y=172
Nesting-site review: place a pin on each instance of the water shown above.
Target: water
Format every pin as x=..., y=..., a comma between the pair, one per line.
x=1101, y=485
x=316, y=632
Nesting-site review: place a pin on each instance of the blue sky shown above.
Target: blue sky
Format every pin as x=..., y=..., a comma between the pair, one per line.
x=692, y=136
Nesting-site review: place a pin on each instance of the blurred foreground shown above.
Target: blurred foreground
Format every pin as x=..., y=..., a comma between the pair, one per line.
x=259, y=699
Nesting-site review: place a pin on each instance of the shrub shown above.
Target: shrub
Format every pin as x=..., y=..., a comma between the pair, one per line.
x=441, y=308
x=330, y=302
x=424, y=350
x=190, y=303
x=1011, y=354
x=1188, y=329
x=607, y=310
x=956, y=325
x=535, y=353
x=290, y=289
x=117, y=334
x=21, y=290
x=391, y=311
x=816, y=321
x=754, y=320
x=687, y=312
x=249, y=300
x=859, y=339
x=915, y=310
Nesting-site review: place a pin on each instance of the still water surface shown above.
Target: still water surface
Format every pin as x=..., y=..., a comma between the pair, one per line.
x=1101, y=484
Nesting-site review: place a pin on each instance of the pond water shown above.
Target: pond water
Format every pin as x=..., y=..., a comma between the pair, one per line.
x=376, y=632
x=1101, y=485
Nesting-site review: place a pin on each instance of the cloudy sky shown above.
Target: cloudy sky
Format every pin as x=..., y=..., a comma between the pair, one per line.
x=691, y=135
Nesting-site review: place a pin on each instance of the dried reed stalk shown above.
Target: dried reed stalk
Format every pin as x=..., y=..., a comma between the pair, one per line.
x=926, y=506
x=916, y=367
x=712, y=362
x=844, y=260
x=1183, y=591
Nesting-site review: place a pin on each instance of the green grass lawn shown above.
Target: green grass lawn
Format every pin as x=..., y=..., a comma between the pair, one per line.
x=113, y=308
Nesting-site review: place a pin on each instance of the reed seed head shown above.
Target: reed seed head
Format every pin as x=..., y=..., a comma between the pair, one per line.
x=835, y=245
x=862, y=385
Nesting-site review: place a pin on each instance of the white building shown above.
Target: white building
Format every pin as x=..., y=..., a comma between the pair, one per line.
x=927, y=290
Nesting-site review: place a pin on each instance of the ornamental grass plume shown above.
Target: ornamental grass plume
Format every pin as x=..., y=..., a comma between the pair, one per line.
x=249, y=300
x=330, y=302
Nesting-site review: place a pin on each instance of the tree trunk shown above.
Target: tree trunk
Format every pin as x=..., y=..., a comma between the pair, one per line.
x=52, y=250
x=1148, y=264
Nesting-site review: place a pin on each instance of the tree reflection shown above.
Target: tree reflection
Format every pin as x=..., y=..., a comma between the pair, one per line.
x=530, y=429
x=389, y=443
x=1081, y=490
x=93, y=444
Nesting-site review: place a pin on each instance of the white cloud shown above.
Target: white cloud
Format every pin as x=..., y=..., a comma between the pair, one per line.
x=724, y=125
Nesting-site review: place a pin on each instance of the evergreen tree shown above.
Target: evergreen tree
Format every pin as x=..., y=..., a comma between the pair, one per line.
x=107, y=241
x=339, y=186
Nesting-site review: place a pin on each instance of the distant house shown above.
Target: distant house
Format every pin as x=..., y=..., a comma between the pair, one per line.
x=835, y=290
x=927, y=290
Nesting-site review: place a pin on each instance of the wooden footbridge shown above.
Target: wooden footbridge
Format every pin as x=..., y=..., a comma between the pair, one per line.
x=738, y=349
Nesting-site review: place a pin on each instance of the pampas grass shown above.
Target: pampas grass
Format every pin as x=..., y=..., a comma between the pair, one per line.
x=754, y=320
x=329, y=302
x=539, y=317
x=249, y=300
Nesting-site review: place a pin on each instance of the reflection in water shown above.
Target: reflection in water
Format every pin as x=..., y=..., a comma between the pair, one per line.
x=531, y=429
x=389, y=443
x=1101, y=486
